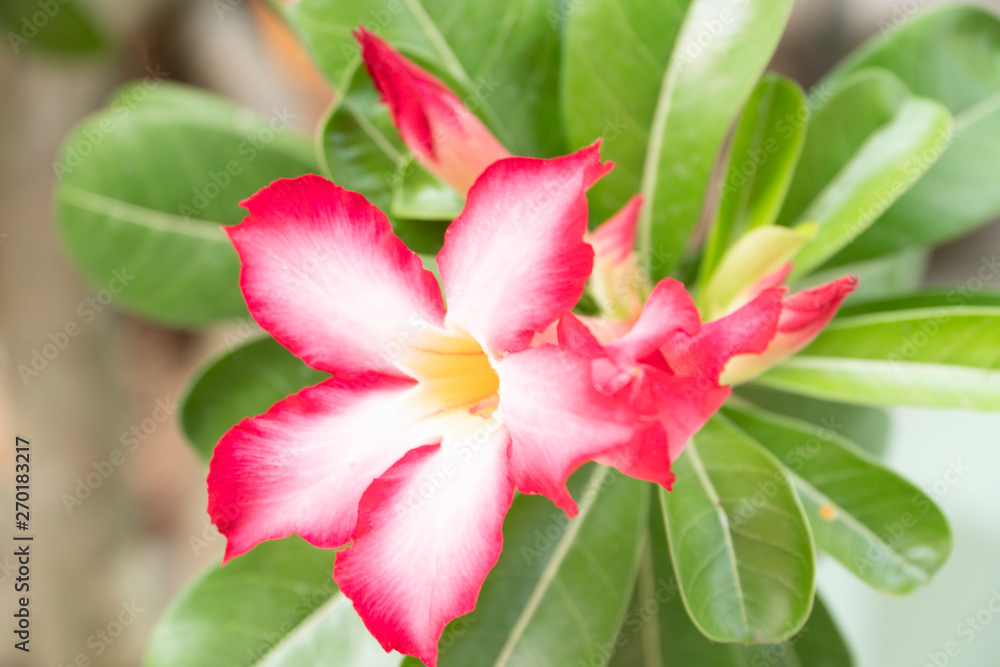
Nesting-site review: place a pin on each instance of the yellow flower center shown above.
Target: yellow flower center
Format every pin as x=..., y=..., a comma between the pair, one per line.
x=453, y=370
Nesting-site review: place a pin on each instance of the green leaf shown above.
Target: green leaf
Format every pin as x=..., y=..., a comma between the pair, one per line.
x=500, y=57
x=145, y=185
x=864, y=148
x=635, y=72
x=242, y=383
x=948, y=54
x=558, y=592
x=658, y=632
x=58, y=26
x=420, y=196
x=360, y=150
x=878, y=525
x=928, y=298
x=866, y=426
x=878, y=278
x=276, y=606
x=762, y=162
x=934, y=356
x=738, y=539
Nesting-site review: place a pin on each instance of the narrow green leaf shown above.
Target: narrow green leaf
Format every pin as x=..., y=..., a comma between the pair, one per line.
x=927, y=298
x=762, y=162
x=882, y=169
x=558, y=593
x=866, y=426
x=947, y=54
x=242, y=383
x=738, y=539
x=145, y=185
x=878, y=278
x=276, y=606
x=635, y=72
x=878, y=525
x=659, y=633
x=500, y=57
x=944, y=356
x=844, y=115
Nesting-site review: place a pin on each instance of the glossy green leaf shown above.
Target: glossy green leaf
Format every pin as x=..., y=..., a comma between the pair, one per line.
x=878, y=525
x=276, y=606
x=559, y=590
x=657, y=631
x=878, y=278
x=762, y=161
x=360, y=150
x=146, y=184
x=864, y=425
x=944, y=356
x=635, y=72
x=500, y=57
x=927, y=298
x=739, y=539
x=57, y=26
x=242, y=383
x=948, y=54
x=359, y=147
x=867, y=144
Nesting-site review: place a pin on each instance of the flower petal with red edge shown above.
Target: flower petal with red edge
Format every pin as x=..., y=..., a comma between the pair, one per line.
x=443, y=134
x=557, y=419
x=614, y=239
x=803, y=317
x=429, y=531
x=515, y=259
x=669, y=310
x=325, y=275
x=303, y=466
x=748, y=330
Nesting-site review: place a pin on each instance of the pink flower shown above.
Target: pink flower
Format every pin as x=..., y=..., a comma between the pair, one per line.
x=803, y=316
x=444, y=136
x=667, y=368
x=413, y=449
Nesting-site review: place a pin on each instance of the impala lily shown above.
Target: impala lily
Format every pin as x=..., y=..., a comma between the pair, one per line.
x=413, y=449
x=444, y=136
x=758, y=261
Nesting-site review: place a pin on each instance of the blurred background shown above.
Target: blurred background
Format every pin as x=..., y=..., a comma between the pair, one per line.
x=116, y=538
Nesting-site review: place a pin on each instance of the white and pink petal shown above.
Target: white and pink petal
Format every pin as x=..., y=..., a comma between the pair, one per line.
x=557, y=419
x=303, y=466
x=515, y=259
x=323, y=272
x=429, y=531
